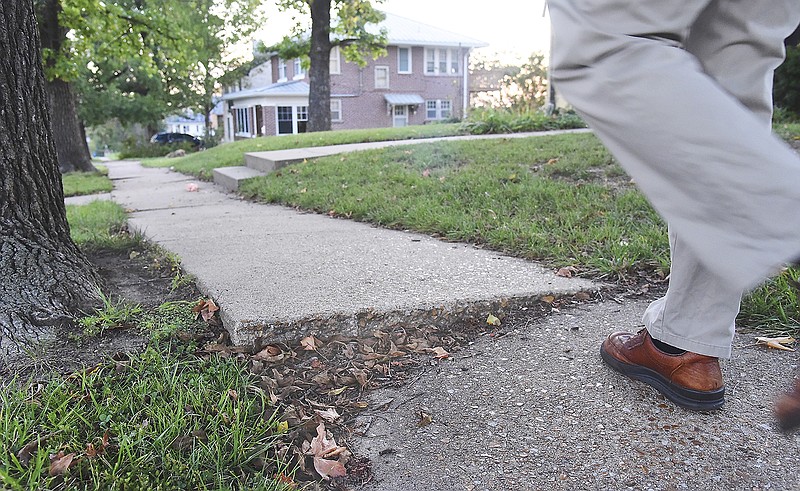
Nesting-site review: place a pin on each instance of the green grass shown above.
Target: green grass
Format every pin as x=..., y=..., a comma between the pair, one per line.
x=83, y=183
x=162, y=419
x=201, y=164
x=171, y=422
x=100, y=224
x=542, y=198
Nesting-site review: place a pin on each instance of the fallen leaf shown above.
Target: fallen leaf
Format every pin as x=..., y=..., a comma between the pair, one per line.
x=282, y=427
x=59, y=463
x=582, y=296
x=776, y=343
x=330, y=415
x=426, y=173
x=548, y=299
x=323, y=447
x=424, y=419
x=26, y=453
x=233, y=395
x=205, y=309
x=492, y=320
x=567, y=272
x=440, y=353
x=336, y=392
x=310, y=343
x=270, y=354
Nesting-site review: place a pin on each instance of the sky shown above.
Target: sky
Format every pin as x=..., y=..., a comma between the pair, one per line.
x=514, y=29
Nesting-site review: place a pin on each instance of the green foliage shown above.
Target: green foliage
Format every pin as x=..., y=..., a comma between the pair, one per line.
x=494, y=121
x=100, y=225
x=774, y=306
x=132, y=148
x=786, y=88
x=545, y=198
x=112, y=315
x=157, y=420
x=83, y=183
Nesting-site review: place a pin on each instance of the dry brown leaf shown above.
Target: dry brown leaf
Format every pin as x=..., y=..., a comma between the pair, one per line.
x=567, y=272
x=424, y=419
x=26, y=453
x=310, y=343
x=59, y=463
x=548, y=299
x=440, y=353
x=322, y=448
x=582, y=296
x=233, y=395
x=330, y=415
x=492, y=320
x=776, y=342
x=270, y=354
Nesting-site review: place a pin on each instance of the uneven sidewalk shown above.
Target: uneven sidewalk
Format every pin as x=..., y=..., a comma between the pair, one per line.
x=536, y=409
x=279, y=273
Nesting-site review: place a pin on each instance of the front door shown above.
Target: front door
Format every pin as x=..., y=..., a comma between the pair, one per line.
x=400, y=116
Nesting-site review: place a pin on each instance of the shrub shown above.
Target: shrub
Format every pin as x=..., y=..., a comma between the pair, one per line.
x=493, y=121
x=135, y=148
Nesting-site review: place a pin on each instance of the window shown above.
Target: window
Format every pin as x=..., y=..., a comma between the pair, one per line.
x=281, y=69
x=302, y=118
x=438, y=109
x=242, y=121
x=336, y=110
x=299, y=71
x=403, y=60
x=381, y=77
x=442, y=62
x=336, y=66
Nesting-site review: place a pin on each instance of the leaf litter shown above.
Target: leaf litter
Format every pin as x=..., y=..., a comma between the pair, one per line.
x=317, y=386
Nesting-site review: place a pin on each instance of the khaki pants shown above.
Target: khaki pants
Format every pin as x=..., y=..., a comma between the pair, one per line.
x=680, y=92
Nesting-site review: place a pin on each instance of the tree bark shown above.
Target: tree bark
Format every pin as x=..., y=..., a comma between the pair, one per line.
x=319, y=74
x=46, y=279
x=72, y=150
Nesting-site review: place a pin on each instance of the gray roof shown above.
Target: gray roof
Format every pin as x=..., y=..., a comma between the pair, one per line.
x=295, y=87
x=404, y=99
x=402, y=31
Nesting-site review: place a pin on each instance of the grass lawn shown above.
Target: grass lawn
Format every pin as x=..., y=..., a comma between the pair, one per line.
x=201, y=164
x=161, y=418
x=559, y=199
x=83, y=183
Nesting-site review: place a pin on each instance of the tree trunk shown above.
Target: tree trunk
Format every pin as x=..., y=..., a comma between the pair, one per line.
x=46, y=279
x=319, y=74
x=72, y=150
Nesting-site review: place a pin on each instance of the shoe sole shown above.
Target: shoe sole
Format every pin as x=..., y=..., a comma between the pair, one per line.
x=694, y=400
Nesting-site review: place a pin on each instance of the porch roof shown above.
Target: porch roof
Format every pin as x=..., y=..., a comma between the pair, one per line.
x=404, y=99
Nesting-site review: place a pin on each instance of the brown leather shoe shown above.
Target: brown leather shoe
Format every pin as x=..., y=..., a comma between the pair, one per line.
x=787, y=410
x=689, y=380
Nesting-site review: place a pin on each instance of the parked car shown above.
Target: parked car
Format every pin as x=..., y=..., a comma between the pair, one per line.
x=169, y=138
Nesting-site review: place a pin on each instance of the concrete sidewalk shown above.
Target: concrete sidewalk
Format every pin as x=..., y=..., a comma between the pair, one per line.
x=279, y=273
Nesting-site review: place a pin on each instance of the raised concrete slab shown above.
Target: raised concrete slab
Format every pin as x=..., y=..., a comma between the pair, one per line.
x=281, y=274
x=86, y=199
x=230, y=177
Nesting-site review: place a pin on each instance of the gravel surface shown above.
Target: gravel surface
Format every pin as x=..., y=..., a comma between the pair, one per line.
x=537, y=409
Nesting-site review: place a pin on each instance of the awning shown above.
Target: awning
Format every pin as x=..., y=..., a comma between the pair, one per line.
x=404, y=99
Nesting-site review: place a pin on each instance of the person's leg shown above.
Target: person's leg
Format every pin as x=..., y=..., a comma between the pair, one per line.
x=736, y=45
x=710, y=166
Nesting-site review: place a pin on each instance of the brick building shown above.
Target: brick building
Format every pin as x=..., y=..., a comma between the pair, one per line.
x=422, y=78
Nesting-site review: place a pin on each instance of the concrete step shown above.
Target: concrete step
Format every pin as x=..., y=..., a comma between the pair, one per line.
x=230, y=177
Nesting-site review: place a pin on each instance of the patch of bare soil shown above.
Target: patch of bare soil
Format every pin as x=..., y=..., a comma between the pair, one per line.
x=137, y=278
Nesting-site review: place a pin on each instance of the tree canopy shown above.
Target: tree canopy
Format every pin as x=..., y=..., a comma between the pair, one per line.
x=321, y=25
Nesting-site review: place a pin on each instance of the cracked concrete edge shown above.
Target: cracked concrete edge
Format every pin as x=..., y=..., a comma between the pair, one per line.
x=446, y=316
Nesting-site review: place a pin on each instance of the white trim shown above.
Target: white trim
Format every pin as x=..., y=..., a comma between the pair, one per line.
x=381, y=68
x=410, y=65
x=282, y=68
x=337, y=102
x=336, y=61
x=446, y=58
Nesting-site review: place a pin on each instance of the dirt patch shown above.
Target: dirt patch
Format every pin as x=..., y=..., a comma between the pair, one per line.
x=138, y=278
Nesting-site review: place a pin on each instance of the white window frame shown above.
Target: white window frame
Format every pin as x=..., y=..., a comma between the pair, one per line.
x=336, y=110
x=409, y=69
x=244, y=126
x=299, y=71
x=282, y=70
x=437, y=59
x=440, y=108
x=336, y=61
x=381, y=68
